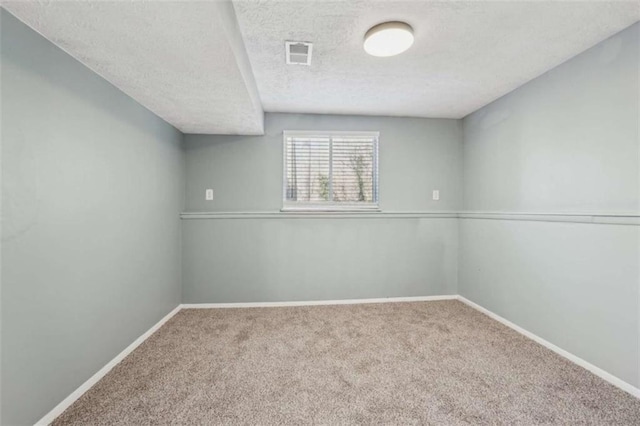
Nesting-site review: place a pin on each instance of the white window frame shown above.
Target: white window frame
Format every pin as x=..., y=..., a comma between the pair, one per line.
x=330, y=206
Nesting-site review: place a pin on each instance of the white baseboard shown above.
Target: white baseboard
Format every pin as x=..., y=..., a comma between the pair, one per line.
x=75, y=395
x=571, y=357
x=66, y=403
x=316, y=302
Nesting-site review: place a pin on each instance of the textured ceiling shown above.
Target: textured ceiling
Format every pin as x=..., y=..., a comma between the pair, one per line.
x=465, y=55
x=212, y=66
x=184, y=61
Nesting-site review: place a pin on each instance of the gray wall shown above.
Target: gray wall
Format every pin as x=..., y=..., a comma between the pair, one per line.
x=280, y=259
x=565, y=142
x=92, y=187
x=284, y=259
x=417, y=155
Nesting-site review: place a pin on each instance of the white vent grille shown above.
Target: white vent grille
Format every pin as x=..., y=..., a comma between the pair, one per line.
x=298, y=52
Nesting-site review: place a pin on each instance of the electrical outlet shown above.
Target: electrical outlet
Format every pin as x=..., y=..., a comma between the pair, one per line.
x=436, y=195
x=208, y=195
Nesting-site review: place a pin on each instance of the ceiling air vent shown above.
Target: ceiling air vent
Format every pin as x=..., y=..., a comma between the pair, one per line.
x=298, y=52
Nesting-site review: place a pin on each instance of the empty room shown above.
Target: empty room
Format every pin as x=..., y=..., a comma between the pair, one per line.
x=327, y=212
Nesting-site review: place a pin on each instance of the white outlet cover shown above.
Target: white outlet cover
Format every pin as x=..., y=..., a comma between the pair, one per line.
x=208, y=195
x=436, y=194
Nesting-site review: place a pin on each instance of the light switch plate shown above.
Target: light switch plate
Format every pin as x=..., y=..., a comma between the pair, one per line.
x=436, y=195
x=208, y=195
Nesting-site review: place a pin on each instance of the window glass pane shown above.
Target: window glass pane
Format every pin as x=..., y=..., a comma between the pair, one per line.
x=307, y=169
x=331, y=170
x=353, y=170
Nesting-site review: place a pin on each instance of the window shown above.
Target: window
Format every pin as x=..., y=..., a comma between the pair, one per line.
x=330, y=170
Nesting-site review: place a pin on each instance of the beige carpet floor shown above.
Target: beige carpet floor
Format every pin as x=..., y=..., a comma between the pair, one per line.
x=392, y=363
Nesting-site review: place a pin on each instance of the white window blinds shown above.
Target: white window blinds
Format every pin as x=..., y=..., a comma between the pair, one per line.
x=335, y=170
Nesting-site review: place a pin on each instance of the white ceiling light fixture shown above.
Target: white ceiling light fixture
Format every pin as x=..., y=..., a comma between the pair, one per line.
x=388, y=39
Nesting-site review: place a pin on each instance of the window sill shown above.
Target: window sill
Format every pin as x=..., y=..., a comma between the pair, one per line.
x=332, y=209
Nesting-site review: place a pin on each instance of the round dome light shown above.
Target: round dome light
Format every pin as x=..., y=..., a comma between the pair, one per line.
x=388, y=39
